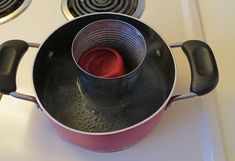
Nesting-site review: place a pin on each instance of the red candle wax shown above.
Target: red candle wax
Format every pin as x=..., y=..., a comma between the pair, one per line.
x=103, y=62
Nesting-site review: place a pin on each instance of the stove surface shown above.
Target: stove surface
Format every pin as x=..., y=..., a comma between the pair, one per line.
x=189, y=130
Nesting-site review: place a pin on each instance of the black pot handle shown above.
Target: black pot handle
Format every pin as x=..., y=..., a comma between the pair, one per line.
x=11, y=53
x=204, y=70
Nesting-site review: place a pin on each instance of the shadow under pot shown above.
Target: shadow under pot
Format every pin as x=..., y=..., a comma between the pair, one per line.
x=126, y=47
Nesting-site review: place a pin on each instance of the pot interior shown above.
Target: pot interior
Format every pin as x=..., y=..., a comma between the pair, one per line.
x=56, y=80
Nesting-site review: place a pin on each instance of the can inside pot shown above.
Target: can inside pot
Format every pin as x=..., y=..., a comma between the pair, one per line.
x=121, y=40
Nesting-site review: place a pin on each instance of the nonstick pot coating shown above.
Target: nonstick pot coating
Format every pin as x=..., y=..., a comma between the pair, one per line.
x=57, y=86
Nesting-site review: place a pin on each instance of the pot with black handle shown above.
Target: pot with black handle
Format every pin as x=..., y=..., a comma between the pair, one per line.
x=58, y=94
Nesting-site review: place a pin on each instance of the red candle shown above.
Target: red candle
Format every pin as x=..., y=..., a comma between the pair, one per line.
x=103, y=62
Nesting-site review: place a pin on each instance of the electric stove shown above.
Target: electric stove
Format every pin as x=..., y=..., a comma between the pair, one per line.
x=189, y=130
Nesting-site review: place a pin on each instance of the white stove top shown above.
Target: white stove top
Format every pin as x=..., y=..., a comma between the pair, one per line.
x=188, y=131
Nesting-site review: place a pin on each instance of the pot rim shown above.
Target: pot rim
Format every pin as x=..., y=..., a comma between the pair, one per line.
x=116, y=131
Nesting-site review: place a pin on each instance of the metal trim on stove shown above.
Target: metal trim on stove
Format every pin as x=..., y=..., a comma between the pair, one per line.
x=17, y=12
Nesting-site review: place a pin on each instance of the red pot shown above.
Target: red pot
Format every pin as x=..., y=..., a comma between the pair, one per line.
x=111, y=141
x=58, y=94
